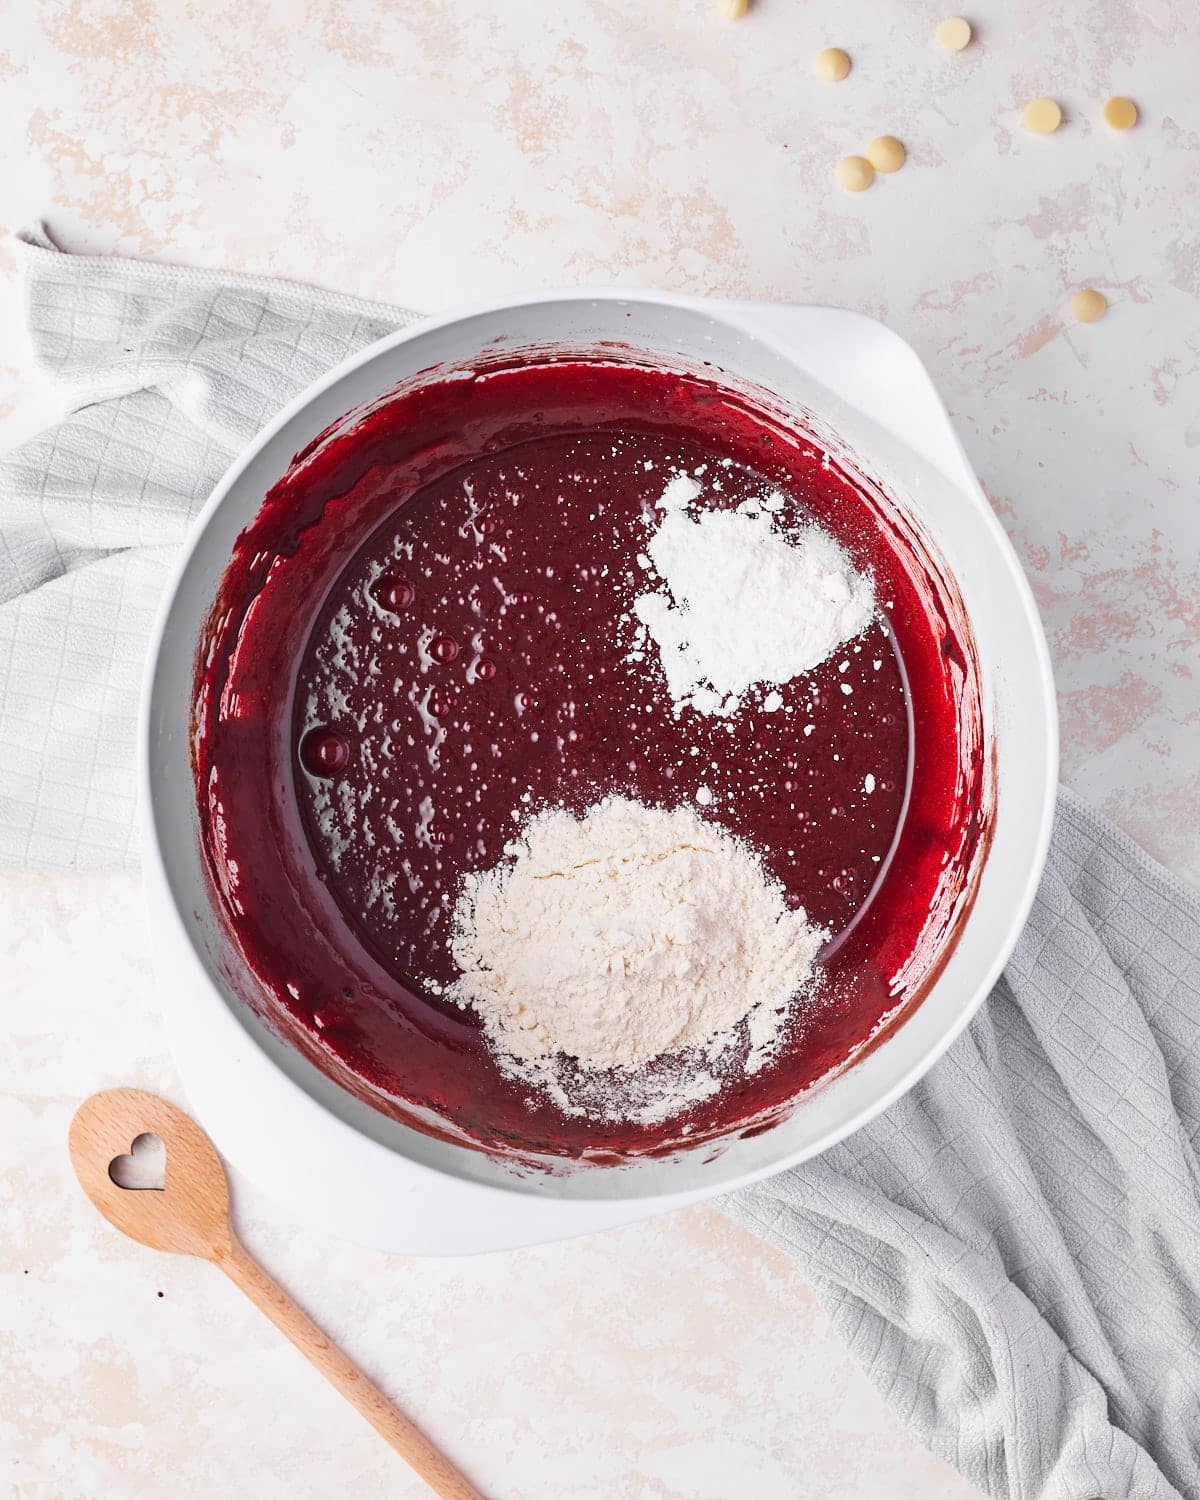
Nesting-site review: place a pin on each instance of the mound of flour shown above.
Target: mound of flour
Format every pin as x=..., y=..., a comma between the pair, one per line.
x=623, y=937
x=742, y=604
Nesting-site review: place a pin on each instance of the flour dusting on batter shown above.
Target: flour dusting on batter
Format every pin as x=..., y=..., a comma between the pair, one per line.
x=741, y=602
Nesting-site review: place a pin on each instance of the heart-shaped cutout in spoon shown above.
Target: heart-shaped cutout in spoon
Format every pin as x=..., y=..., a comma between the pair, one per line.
x=144, y=1168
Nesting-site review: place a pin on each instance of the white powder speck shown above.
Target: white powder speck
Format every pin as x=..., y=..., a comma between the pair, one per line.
x=680, y=491
x=868, y=782
x=772, y=703
x=704, y=795
x=424, y=823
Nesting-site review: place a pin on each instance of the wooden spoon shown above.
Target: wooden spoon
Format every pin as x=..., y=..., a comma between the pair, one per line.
x=189, y=1215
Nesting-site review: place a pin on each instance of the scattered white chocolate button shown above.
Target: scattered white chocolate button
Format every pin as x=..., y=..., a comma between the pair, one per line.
x=886, y=153
x=733, y=10
x=855, y=173
x=1042, y=116
x=1120, y=114
x=832, y=64
x=953, y=33
x=1088, y=306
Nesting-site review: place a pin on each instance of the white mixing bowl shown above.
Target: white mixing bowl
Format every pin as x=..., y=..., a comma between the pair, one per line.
x=334, y=1160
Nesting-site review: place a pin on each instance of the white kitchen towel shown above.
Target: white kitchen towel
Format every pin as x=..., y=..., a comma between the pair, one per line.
x=1013, y=1249
x=166, y=373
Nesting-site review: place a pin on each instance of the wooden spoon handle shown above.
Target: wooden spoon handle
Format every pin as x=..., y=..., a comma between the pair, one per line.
x=408, y=1440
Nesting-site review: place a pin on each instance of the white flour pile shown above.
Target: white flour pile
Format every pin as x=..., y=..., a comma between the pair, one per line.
x=741, y=604
x=622, y=938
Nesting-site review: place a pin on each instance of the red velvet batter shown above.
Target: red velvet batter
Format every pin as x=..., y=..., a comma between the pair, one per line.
x=420, y=634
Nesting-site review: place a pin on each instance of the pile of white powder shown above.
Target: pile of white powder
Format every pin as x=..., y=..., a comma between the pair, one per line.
x=611, y=941
x=740, y=603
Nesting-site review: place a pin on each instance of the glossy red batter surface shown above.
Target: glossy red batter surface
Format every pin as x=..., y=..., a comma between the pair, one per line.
x=427, y=631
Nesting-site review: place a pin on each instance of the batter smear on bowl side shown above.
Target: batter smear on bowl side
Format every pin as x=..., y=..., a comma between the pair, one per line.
x=584, y=758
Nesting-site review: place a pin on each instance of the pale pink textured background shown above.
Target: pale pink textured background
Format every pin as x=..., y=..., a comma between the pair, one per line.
x=432, y=152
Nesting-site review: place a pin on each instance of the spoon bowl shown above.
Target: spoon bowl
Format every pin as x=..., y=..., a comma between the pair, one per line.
x=189, y=1214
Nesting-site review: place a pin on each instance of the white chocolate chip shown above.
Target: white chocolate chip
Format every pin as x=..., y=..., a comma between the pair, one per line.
x=1042, y=116
x=1088, y=306
x=886, y=154
x=953, y=34
x=1120, y=114
x=832, y=64
x=855, y=173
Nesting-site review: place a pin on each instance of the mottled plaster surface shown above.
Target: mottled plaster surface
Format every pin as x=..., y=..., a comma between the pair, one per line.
x=429, y=153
